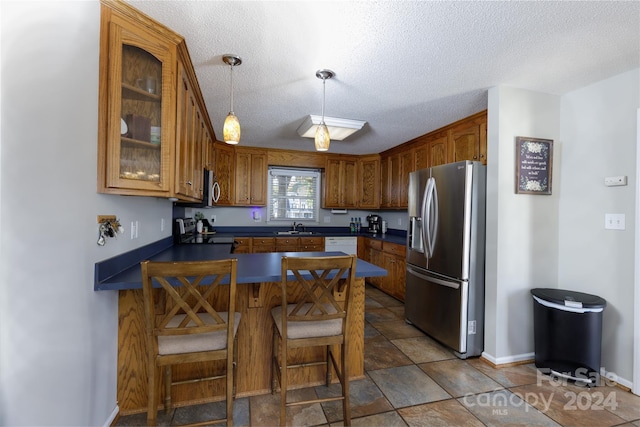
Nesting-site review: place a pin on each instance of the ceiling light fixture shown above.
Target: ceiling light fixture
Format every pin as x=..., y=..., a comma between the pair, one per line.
x=339, y=128
x=231, y=130
x=322, y=137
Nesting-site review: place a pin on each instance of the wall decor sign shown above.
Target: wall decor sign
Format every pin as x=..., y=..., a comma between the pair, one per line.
x=533, y=165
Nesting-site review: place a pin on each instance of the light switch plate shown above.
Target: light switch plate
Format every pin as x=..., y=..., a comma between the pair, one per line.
x=614, y=221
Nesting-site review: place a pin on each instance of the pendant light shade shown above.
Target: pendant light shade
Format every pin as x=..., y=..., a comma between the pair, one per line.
x=231, y=130
x=323, y=139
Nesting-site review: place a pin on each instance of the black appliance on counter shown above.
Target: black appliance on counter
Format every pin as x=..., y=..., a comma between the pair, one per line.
x=375, y=223
x=184, y=232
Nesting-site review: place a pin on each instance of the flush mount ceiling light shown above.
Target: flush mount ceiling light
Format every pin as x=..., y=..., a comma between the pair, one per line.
x=231, y=130
x=322, y=128
x=339, y=129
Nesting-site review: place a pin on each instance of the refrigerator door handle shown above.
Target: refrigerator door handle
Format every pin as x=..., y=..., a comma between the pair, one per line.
x=433, y=279
x=430, y=216
x=424, y=213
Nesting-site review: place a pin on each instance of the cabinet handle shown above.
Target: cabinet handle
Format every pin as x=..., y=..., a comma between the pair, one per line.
x=189, y=183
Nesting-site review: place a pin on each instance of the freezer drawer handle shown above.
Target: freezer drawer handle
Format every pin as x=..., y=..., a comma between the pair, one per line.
x=433, y=279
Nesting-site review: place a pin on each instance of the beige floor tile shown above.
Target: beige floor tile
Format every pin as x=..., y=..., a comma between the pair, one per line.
x=394, y=329
x=423, y=349
x=509, y=376
x=571, y=405
x=459, y=378
x=439, y=414
x=387, y=419
x=407, y=386
x=398, y=311
x=627, y=404
x=379, y=315
x=379, y=353
x=504, y=408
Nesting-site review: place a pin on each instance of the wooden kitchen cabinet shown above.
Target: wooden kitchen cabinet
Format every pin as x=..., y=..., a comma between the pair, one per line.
x=395, y=168
x=137, y=94
x=468, y=140
x=369, y=182
x=263, y=244
x=394, y=261
x=250, y=177
x=192, y=137
x=243, y=245
x=372, y=253
x=225, y=172
x=153, y=125
x=391, y=257
x=340, y=182
x=312, y=244
x=287, y=244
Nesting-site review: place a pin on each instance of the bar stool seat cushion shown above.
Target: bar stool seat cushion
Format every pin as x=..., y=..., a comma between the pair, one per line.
x=308, y=329
x=196, y=342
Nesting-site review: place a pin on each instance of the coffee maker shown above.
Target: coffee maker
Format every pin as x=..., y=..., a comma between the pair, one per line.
x=375, y=223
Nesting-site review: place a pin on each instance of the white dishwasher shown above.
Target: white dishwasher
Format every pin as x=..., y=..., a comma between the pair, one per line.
x=346, y=244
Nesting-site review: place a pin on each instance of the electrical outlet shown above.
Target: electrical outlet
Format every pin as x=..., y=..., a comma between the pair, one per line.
x=161, y=224
x=137, y=227
x=327, y=219
x=399, y=221
x=133, y=230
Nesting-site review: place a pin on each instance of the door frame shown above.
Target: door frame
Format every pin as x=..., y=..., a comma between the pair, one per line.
x=636, y=300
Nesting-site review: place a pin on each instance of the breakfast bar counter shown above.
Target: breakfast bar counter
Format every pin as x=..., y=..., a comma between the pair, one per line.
x=258, y=292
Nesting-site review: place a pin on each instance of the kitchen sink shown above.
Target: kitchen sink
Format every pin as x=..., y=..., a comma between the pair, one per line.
x=296, y=232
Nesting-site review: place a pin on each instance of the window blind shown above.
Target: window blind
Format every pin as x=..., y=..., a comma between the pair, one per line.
x=294, y=194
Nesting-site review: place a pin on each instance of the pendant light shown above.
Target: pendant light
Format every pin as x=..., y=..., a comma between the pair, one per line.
x=323, y=138
x=231, y=130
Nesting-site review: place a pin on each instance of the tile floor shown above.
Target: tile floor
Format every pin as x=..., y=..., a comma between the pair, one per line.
x=411, y=380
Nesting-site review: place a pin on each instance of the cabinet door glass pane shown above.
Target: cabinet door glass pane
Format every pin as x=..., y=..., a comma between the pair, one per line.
x=140, y=154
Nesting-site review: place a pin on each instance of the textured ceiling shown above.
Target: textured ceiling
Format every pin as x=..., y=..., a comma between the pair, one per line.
x=406, y=67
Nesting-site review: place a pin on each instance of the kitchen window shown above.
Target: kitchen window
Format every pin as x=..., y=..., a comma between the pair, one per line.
x=294, y=194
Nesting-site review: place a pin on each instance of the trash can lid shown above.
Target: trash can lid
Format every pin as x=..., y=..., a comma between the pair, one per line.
x=569, y=298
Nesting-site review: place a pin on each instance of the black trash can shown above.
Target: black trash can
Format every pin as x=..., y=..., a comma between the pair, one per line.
x=567, y=329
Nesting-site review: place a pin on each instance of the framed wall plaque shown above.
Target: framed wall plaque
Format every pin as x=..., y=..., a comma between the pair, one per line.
x=534, y=161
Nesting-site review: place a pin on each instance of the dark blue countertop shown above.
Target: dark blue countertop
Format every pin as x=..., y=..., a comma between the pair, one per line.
x=123, y=271
x=394, y=236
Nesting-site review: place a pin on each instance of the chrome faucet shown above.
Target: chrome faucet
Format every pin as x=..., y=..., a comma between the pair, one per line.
x=296, y=226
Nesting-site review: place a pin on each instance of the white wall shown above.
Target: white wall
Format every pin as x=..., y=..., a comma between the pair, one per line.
x=58, y=338
x=559, y=240
x=522, y=230
x=599, y=139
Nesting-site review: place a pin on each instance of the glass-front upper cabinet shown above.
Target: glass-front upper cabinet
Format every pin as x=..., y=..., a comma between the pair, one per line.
x=137, y=117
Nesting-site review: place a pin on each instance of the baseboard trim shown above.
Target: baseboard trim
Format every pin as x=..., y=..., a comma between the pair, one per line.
x=503, y=362
x=521, y=359
x=112, y=417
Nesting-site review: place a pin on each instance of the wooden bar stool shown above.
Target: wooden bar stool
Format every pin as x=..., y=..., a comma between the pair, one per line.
x=190, y=329
x=317, y=316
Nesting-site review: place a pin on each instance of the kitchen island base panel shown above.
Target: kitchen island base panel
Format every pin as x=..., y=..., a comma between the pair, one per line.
x=253, y=372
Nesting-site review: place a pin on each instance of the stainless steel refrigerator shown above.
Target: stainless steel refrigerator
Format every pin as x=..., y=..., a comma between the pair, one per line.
x=445, y=255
